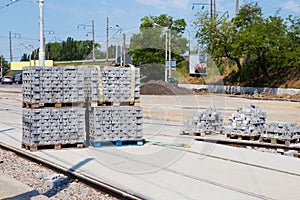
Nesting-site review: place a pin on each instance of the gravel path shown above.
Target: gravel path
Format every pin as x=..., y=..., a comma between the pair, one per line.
x=47, y=182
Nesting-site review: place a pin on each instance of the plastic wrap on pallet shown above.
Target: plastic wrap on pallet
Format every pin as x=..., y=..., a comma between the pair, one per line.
x=109, y=123
x=209, y=121
x=247, y=121
x=50, y=126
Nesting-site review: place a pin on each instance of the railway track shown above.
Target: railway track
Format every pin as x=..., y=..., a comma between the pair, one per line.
x=121, y=194
x=89, y=181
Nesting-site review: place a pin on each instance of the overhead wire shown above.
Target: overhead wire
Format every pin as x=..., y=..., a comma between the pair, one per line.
x=12, y=2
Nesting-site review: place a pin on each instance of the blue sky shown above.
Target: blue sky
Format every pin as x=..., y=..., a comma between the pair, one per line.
x=63, y=16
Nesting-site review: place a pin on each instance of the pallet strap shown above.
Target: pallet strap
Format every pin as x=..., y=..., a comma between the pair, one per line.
x=100, y=86
x=132, y=84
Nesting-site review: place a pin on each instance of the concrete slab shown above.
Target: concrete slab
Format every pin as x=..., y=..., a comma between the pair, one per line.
x=11, y=189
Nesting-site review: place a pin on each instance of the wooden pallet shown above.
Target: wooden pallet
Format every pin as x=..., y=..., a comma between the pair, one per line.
x=115, y=103
x=51, y=146
x=286, y=142
x=192, y=133
x=242, y=137
x=52, y=105
x=196, y=133
x=117, y=143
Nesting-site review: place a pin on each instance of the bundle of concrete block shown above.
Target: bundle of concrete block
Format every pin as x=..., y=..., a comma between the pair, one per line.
x=208, y=122
x=247, y=121
x=52, y=126
x=114, y=113
x=53, y=107
x=111, y=123
x=113, y=84
x=56, y=99
x=53, y=84
x=284, y=131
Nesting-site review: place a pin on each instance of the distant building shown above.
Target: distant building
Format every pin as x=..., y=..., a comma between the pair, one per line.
x=18, y=66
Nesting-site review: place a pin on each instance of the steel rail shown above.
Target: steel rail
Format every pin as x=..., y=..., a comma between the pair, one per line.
x=92, y=182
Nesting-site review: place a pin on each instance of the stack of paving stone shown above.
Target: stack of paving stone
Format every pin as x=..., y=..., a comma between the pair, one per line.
x=114, y=113
x=113, y=84
x=208, y=122
x=247, y=121
x=53, y=126
x=53, y=112
x=283, y=131
x=114, y=123
x=53, y=85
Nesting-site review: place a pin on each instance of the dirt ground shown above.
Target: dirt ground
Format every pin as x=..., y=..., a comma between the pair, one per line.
x=163, y=88
x=179, y=104
x=166, y=101
x=270, y=96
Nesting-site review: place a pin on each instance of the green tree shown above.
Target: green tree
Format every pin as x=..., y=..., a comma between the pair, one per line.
x=68, y=50
x=5, y=66
x=25, y=57
x=53, y=51
x=148, y=46
x=261, y=48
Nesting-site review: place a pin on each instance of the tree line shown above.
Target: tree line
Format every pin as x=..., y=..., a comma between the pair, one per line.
x=265, y=50
x=257, y=50
x=70, y=50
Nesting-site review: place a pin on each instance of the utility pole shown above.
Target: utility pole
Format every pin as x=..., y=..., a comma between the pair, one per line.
x=42, y=39
x=93, y=33
x=1, y=67
x=215, y=9
x=236, y=7
x=10, y=47
x=211, y=9
x=10, y=43
x=124, y=49
x=107, y=20
x=116, y=53
x=170, y=56
x=166, y=58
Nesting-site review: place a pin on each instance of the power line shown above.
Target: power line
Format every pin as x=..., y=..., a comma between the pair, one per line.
x=93, y=34
x=12, y=2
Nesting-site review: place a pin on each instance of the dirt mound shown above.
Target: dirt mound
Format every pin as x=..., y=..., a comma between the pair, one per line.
x=296, y=96
x=163, y=88
x=270, y=96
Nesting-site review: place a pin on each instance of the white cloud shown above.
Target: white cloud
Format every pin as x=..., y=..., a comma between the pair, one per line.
x=292, y=6
x=165, y=4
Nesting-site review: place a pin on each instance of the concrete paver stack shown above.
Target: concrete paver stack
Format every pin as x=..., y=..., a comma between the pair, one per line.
x=53, y=85
x=114, y=123
x=55, y=101
x=113, y=84
x=114, y=112
x=53, y=112
x=52, y=126
x=285, y=132
x=208, y=122
x=247, y=121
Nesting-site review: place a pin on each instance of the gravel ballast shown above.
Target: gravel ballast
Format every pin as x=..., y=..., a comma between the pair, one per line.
x=46, y=181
